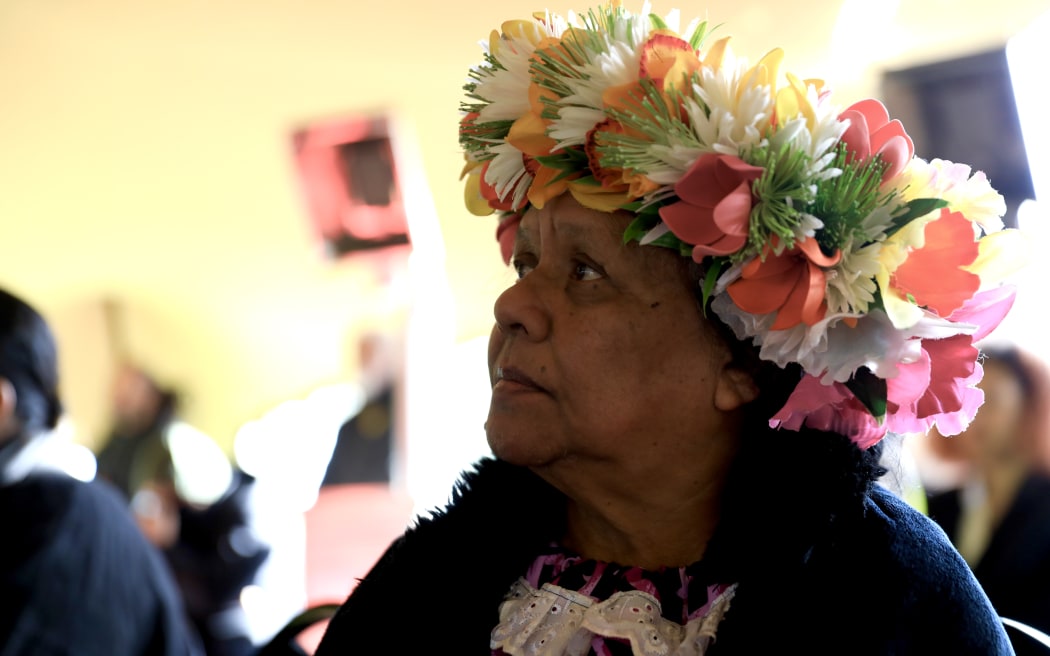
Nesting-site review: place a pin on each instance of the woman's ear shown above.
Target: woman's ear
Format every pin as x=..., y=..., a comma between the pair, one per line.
x=8, y=419
x=735, y=388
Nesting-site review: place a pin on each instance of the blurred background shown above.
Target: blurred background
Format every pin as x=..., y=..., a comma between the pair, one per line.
x=257, y=203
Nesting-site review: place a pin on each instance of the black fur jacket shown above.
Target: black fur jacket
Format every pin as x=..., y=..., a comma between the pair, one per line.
x=827, y=562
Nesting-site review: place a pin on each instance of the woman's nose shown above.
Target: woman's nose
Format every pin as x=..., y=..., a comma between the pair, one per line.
x=521, y=308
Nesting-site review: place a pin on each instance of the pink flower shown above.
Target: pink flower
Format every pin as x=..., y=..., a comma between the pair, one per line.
x=506, y=233
x=945, y=394
x=714, y=205
x=986, y=309
x=939, y=388
x=829, y=408
x=871, y=132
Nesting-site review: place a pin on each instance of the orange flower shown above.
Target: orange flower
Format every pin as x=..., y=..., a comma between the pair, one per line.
x=667, y=60
x=791, y=284
x=614, y=179
x=934, y=276
x=546, y=183
x=529, y=133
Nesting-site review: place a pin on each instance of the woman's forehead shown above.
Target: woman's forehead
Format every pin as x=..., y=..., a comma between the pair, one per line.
x=569, y=220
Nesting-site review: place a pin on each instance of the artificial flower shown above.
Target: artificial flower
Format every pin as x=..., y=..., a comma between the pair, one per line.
x=871, y=133
x=934, y=276
x=965, y=191
x=791, y=284
x=826, y=242
x=714, y=205
x=506, y=233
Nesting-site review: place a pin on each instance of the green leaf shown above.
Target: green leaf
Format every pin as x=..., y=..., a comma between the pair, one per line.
x=869, y=390
x=913, y=209
x=556, y=162
x=638, y=228
x=658, y=23
x=714, y=270
x=669, y=240
x=588, y=180
x=696, y=40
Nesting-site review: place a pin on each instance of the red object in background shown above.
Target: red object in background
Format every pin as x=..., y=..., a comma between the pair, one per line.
x=347, y=530
x=348, y=172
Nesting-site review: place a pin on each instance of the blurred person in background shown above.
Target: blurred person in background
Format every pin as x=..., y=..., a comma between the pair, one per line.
x=76, y=575
x=365, y=443
x=998, y=514
x=191, y=502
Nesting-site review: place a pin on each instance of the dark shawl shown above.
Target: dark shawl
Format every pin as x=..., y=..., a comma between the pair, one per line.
x=826, y=561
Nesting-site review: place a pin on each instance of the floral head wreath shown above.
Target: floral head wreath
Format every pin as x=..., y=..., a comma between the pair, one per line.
x=824, y=239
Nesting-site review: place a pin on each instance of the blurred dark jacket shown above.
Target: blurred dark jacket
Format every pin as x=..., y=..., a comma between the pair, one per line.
x=78, y=577
x=1015, y=569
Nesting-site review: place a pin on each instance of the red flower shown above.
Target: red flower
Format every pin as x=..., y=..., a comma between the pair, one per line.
x=714, y=207
x=871, y=132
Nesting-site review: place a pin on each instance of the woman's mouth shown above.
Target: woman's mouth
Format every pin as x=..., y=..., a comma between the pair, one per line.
x=514, y=379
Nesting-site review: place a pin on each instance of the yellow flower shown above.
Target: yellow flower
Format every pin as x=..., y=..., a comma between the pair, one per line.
x=1001, y=255
x=513, y=32
x=764, y=73
x=793, y=101
x=900, y=310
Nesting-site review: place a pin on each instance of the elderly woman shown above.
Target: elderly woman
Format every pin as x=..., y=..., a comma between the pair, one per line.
x=728, y=291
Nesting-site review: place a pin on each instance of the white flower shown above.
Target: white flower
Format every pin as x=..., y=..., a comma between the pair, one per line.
x=507, y=172
x=833, y=349
x=676, y=160
x=507, y=89
x=580, y=111
x=725, y=120
x=972, y=196
x=851, y=282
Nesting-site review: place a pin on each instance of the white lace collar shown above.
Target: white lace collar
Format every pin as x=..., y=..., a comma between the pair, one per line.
x=554, y=621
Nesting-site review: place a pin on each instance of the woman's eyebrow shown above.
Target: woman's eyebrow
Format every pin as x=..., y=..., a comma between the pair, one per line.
x=523, y=239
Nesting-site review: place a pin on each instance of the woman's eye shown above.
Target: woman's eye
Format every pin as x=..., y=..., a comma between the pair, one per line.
x=522, y=268
x=583, y=271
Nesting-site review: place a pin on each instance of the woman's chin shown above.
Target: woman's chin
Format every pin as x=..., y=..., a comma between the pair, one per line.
x=517, y=449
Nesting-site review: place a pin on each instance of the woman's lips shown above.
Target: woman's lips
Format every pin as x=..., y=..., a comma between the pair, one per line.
x=513, y=379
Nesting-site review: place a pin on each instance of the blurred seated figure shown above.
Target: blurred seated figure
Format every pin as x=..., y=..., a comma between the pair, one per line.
x=998, y=515
x=190, y=502
x=365, y=441
x=76, y=575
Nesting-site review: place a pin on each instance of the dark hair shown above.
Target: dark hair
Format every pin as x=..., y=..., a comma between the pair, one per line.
x=827, y=473
x=29, y=360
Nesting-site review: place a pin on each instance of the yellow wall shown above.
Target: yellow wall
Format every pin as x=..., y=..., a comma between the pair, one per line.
x=144, y=157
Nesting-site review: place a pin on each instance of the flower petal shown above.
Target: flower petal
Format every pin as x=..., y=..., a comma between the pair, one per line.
x=986, y=310
x=506, y=233
x=934, y=275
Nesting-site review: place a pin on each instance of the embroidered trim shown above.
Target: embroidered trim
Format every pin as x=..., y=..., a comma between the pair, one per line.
x=553, y=620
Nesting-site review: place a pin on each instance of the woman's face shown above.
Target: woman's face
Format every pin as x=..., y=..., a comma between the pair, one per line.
x=600, y=351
